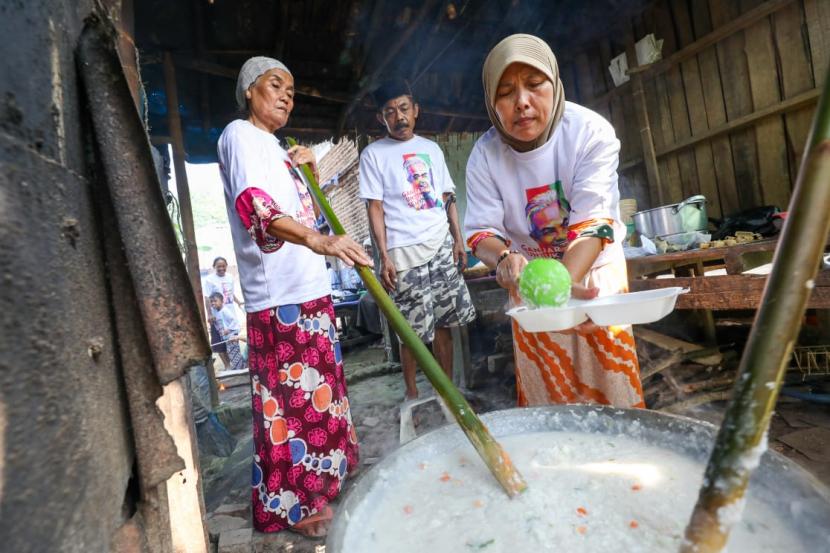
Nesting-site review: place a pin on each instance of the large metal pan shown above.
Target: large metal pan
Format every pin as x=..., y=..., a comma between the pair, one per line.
x=797, y=498
x=687, y=216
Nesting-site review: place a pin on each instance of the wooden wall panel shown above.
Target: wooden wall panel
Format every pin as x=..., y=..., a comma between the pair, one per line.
x=623, y=36
x=715, y=110
x=771, y=140
x=688, y=180
x=738, y=101
x=796, y=77
x=690, y=70
x=634, y=184
x=713, y=90
x=584, y=83
x=817, y=13
x=659, y=110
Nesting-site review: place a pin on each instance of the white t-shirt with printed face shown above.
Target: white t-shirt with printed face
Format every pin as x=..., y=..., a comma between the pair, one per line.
x=252, y=158
x=410, y=177
x=532, y=197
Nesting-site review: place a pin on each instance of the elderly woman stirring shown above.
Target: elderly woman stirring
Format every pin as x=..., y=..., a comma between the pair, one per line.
x=304, y=440
x=542, y=182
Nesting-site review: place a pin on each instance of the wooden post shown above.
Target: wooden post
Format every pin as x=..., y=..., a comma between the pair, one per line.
x=184, y=489
x=174, y=123
x=649, y=156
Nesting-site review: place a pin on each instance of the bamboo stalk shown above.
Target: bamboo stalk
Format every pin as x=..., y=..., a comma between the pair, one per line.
x=488, y=448
x=742, y=436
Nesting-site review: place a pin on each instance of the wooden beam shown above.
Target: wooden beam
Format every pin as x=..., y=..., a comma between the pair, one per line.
x=669, y=343
x=803, y=99
x=630, y=164
x=649, y=154
x=644, y=125
x=312, y=92
x=730, y=291
x=204, y=90
x=738, y=24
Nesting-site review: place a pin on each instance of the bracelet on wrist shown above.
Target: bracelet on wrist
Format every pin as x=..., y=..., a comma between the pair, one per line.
x=504, y=256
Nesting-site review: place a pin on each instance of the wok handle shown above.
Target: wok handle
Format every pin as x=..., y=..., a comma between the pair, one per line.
x=700, y=198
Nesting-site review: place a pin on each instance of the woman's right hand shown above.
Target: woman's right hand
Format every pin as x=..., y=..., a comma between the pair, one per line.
x=340, y=246
x=509, y=271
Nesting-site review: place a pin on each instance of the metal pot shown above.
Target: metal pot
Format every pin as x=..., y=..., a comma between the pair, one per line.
x=687, y=216
x=794, y=495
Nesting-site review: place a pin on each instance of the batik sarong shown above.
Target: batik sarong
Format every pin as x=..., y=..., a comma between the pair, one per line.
x=304, y=440
x=600, y=367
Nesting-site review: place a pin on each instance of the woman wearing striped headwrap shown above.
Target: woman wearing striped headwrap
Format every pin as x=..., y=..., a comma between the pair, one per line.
x=542, y=182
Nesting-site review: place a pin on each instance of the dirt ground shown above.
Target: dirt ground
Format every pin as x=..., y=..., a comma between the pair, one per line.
x=799, y=430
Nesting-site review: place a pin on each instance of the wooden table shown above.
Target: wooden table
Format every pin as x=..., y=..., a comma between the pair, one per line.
x=734, y=290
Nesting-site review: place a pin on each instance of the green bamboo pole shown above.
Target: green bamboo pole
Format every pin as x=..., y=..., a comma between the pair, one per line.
x=742, y=436
x=488, y=448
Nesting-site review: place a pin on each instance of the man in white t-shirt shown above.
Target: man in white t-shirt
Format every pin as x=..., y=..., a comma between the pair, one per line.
x=412, y=213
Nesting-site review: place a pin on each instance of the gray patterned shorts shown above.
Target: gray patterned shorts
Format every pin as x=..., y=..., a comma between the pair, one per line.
x=434, y=295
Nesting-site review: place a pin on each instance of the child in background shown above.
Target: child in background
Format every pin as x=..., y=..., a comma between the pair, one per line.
x=229, y=329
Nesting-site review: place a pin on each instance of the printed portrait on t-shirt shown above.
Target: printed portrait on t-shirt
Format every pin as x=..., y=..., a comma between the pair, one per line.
x=420, y=192
x=305, y=216
x=547, y=215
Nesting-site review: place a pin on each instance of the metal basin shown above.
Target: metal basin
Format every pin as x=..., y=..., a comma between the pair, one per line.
x=687, y=216
x=798, y=500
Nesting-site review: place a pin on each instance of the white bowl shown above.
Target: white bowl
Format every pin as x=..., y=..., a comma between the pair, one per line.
x=549, y=319
x=619, y=309
x=633, y=308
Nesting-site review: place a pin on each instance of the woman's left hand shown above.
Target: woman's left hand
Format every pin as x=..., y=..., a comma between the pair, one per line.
x=581, y=292
x=300, y=155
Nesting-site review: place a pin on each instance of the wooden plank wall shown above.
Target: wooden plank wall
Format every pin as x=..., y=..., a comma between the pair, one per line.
x=730, y=105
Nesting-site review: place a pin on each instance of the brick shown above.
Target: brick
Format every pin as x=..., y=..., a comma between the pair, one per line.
x=236, y=541
x=219, y=524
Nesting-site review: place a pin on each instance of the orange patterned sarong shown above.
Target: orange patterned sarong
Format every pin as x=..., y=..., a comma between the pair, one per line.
x=600, y=367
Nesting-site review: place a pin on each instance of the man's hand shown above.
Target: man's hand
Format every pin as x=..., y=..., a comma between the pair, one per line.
x=459, y=255
x=388, y=274
x=340, y=246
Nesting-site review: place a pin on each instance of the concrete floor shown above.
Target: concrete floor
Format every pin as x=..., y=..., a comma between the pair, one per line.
x=376, y=391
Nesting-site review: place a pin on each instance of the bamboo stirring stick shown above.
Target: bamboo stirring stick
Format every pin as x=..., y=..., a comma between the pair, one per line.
x=742, y=436
x=488, y=448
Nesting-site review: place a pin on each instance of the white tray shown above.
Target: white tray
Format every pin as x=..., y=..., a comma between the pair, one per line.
x=619, y=309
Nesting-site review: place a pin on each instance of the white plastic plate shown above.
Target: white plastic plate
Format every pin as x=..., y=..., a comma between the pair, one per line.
x=620, y=309
x=549, y=319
